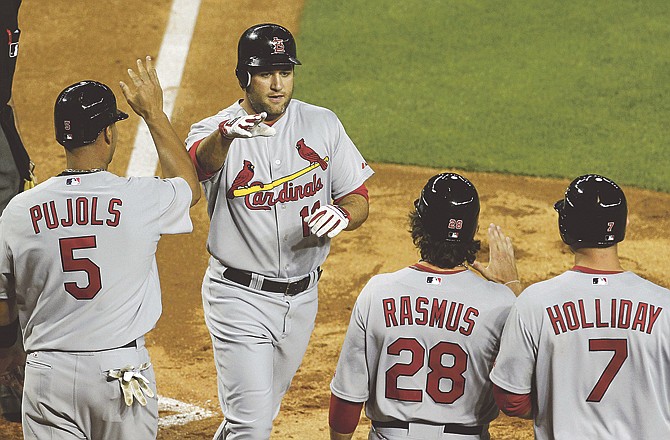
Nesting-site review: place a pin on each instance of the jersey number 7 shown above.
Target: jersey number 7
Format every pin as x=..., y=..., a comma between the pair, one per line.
x=437, y=371
x=72, y=264
x=620, y=349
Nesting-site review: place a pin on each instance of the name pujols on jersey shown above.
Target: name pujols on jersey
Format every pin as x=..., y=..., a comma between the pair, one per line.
x=79, y=211
x=599, y=313
x=435, y=312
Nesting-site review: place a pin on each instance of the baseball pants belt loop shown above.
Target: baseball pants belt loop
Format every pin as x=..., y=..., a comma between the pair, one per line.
x=449, y=428
x=252, y=280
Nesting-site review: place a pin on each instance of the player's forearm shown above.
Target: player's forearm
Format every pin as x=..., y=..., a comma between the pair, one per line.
x=212, y=152
x=7, y=312
x=358, y=208
x=339, y=436
x=173, y=158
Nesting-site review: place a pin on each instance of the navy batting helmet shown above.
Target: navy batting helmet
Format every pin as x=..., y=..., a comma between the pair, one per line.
x=593, y=212
x=264, y=45
x=82, y=111
x=449, y=208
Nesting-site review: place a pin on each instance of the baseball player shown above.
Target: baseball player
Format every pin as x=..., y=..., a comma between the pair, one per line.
x=422, y=340
x=14, y=161
x=586, y=353
x=282, y=178
x=77, y=262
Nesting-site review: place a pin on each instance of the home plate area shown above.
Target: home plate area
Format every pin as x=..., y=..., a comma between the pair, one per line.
x=174, y=412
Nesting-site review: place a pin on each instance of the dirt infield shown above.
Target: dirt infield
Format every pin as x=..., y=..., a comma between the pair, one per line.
x=58, y=47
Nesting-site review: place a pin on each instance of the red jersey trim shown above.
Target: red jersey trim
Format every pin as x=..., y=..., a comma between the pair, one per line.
x=515, y=405
x=343, y=416
x=361, y=190
x=420, y=267
x=202, y=174
x=585, y=269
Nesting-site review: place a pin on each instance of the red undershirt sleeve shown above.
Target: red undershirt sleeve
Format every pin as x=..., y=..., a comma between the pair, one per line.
x=515, y=405
x=343, y=416
x=202, y=174
x=361, y=190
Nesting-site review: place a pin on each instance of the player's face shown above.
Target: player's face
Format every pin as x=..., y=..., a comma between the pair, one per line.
x=271, y=92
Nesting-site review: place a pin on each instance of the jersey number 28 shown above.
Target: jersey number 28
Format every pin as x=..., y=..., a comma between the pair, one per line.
x=72, y=264
x=437, y=371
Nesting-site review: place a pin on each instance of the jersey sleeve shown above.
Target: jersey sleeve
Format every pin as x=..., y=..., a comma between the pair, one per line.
x=515, y=364
x=351, y=375
x=175, y=201
x=350, y=170
x=200, y=130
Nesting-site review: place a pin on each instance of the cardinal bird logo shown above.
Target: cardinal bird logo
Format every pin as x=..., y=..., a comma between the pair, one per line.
x=310, y=155
x=242, y=179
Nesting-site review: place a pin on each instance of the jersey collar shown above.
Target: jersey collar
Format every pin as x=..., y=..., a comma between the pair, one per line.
x=584, y=269
x=421, y=268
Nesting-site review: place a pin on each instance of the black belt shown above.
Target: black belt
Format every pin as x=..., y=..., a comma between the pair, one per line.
x=449, y=428
x=289, y=289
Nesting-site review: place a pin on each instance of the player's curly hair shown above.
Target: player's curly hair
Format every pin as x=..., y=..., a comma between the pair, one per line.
x=441, y=253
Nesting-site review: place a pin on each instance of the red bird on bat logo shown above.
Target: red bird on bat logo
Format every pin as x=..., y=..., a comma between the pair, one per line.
x=242, y=179
x=310, y=155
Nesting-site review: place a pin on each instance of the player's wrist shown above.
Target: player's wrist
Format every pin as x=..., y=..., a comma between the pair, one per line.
x=344, y=211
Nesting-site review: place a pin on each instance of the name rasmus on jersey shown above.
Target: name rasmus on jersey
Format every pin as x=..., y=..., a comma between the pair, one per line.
x=422, y=311
x=289, y=192
x=80, y=211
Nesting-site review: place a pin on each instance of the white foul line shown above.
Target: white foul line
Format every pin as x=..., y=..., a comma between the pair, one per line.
x=170, y=67
x=184, y=412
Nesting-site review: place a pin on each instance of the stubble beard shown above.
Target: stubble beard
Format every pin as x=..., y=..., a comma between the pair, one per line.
x=274, y=111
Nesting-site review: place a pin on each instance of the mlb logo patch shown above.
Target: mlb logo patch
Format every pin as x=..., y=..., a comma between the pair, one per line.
x=453, y=235
x=73, y=181
x=434, y=280
x=609, y=238
x=600, y=281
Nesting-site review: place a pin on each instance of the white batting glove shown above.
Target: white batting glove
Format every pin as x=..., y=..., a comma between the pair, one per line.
x=329, y=220
x=133, y=383
x=246, y=127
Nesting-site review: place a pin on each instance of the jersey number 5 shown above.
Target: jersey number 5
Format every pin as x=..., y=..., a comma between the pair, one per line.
x=437, y=371
x=72, y=264
x=620, y=349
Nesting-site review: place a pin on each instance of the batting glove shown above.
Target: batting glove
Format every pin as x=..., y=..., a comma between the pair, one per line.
x=246, y=127
x=329, y=220
x=133, y=383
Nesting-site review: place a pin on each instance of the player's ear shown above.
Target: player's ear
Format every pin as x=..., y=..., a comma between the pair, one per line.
x=107, y=132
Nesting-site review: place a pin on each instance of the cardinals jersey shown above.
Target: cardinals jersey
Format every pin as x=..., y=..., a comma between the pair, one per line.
x=595, y=349
x=78, y=252
x=420, y=346
x=268, y=186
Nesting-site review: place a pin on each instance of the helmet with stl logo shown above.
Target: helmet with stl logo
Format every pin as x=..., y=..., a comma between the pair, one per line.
x=593, y=212
x=264, y=45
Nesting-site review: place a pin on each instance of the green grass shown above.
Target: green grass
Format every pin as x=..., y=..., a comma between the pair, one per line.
x=542, y=88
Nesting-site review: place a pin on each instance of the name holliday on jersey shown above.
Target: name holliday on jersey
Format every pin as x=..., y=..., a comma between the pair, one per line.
x=264, y=200
x=423, y=311
x=619, y=313
x=80, y=211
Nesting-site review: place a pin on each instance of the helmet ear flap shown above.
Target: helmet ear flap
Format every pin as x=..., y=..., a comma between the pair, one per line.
x=244, y=77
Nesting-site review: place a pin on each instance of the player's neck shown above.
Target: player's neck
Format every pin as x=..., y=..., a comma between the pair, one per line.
x=86, y=158
x=603, y=259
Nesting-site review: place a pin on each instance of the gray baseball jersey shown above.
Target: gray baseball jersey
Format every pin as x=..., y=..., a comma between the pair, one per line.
x=420, y=346
x=268, y=186
x=595, y=349
x=82, y=251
